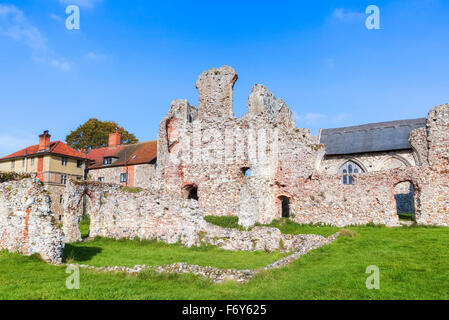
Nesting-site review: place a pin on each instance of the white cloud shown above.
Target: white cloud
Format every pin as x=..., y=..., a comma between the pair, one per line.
x=61, y=64
x=10, y=143
x=15, y=26
x=308, y=117
x=92, y=56
x=346, y=15
x=81, y=3
x=56, y=17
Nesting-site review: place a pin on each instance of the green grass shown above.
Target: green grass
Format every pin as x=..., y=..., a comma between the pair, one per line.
x=108, y=252
x=406, y=216
x=290, y=227
x=131, y=189
x=413, y=263
x=85, y=226
x=225, y=222
x=285, y=225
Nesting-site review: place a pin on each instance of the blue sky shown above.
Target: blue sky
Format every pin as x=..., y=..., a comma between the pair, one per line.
x=131, y=58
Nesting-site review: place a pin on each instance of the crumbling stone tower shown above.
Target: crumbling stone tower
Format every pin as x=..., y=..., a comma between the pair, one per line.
x=233, y=166
x=215, y=88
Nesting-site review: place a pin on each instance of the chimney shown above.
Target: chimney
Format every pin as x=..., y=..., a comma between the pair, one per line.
x=114, y=139
x=44, y=141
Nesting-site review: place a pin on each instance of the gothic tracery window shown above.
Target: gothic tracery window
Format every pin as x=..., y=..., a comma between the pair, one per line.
x=347, y=171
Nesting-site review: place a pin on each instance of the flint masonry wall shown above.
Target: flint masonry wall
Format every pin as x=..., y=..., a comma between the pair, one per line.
x=148, y=214
x=212, y=149
x=26, y=225
x=322, y=198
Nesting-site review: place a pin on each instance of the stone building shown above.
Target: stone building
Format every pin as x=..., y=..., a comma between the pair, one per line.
x=373, y=147
x=261, y=167
x=127, y=165
x=53, y=163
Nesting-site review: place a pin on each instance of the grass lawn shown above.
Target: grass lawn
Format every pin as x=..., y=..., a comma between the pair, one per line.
x=413, y=263
x=108, y=252
x=285, y=225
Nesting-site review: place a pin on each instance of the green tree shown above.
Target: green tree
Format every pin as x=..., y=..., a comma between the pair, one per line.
x=95, y=134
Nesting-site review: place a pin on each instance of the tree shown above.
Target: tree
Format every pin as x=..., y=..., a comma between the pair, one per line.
x=95, y=134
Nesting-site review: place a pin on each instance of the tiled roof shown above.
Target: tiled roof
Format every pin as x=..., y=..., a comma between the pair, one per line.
x=373, y=137
x=131, y=154
x=56, y=147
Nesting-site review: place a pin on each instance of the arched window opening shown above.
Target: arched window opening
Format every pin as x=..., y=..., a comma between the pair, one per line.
x=285, y=206
x=246, y=171
x=348, y=170
x=190, y=192
x=404, y=194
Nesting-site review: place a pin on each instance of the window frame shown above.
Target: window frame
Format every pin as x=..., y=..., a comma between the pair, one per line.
x=123, y=177
x=107, y=161
x=348, y=170
x=64, y=161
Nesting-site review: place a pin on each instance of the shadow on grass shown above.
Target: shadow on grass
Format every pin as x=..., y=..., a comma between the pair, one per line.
x=79, y=254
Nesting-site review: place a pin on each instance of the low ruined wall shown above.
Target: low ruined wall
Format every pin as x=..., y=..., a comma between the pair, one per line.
x=325, y=200
x=26, y=225
x=122, y=213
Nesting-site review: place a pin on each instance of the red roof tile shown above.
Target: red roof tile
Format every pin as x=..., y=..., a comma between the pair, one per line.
x=131, y=154
x=56, y=147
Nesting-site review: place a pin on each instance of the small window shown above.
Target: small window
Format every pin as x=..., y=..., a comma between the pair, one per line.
x=13, y=164
x=107, y=160
x=190, y=192
x=60, y=217
x=61, y=200
x=246, y=172
x=24, y=162
x=101, y=179
x=64, y=161
x=32, y=161
x=79, y=163
x=63, y=179
x=123, y=177
x=348, y=170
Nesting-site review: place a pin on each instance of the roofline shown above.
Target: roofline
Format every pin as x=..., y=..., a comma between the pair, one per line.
x=46, y=153
x=121, y=165
x=364, y=126
x=123, y=145
x=364, y=152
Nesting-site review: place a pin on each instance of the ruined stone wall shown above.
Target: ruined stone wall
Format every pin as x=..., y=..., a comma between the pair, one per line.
x=420, y=145
x=118, y=214
x=26, y=225
x=57, y=208
x=212, y=151
x=323, y=199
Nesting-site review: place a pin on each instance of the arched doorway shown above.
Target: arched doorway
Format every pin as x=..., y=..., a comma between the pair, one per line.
x=285, y=206
x=190, y=192
x=404, y=194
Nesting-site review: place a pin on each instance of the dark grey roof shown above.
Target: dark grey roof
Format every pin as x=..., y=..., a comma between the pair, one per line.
x=373, y=137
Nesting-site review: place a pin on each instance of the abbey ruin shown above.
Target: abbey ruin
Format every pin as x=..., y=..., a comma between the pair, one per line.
x=259, y=167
